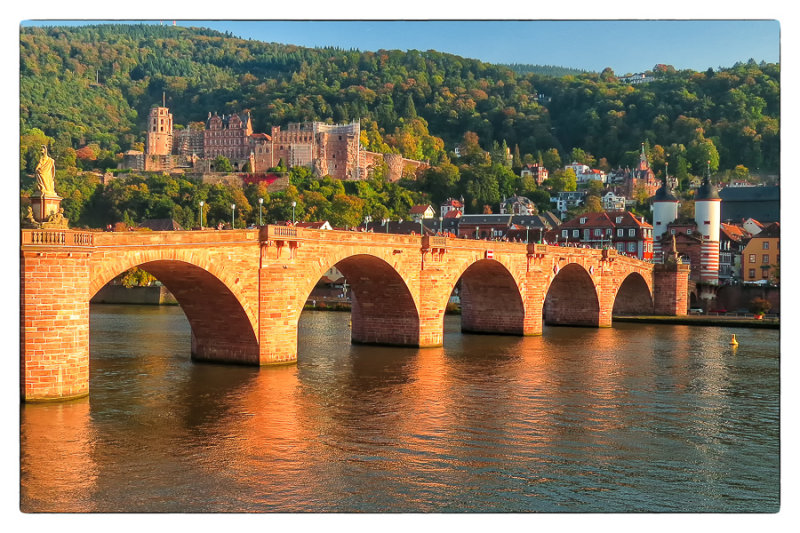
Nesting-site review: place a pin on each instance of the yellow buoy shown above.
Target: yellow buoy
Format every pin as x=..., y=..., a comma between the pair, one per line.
x=733, y=340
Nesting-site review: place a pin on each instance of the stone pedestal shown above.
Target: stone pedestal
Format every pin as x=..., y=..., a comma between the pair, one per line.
x=46, y=212
x=44, y=206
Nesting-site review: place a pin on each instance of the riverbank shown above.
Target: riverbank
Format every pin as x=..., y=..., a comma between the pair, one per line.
x=695, y=320
x=159, y=295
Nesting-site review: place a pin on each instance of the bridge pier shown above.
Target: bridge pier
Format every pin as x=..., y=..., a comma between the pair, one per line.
x=54, y=325
x=671, y=289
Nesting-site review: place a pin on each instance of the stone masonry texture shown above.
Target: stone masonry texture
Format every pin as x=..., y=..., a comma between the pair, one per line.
x=243, y=291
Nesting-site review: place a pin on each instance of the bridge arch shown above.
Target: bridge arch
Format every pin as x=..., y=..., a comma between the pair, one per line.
x=490, y=296
x=634, y=296
x=384, y=309
x=572, y=298
x=223, y=322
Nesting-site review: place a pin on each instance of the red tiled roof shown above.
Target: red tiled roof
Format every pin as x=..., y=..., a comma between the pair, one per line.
x=733, y=232
x=312, y=225
x=419, y=209
x=593, y=220
x=452, y=214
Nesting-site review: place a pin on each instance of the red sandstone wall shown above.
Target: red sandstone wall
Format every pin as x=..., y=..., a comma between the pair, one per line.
x=243, y=291
x=54, y=324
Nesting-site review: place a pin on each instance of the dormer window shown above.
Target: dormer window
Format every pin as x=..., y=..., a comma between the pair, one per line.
x=583, y=220
x=619, y=219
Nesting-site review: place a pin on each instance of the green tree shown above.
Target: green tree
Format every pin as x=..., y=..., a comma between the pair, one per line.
x=702, y=153
x=551, y=160
x=222, y=164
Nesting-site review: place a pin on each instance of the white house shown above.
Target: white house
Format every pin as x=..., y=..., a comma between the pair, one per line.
x=612, y=202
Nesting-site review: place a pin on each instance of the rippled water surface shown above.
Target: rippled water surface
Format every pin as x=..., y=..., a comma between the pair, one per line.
x=630, y=418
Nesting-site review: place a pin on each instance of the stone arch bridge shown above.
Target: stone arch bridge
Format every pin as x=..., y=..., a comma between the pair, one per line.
x=243, y=291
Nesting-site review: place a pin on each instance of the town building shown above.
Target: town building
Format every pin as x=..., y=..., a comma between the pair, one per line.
x=761, y=257
x=642, y=177
x=732, y=240
x=578, y=168
x=566, y=200
x=761, y=203
x=452, y=205
x=418, y=212
x=535, y=171
x=613, y=202
x=592, y=174
x=753, y=226
x=517, y=205
x=621, y=230
x=484, y=226
x=321, y=224
x=531, y=228
x=636, y=79
x=228, y=136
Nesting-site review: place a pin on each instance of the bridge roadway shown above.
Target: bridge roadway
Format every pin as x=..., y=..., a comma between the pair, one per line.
x=243, y=291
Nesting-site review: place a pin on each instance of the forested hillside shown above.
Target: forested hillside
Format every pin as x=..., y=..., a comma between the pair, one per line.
x=94, y=84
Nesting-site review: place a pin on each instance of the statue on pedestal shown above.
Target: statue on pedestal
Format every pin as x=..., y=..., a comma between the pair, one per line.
x=46, y=174
x=45, y=210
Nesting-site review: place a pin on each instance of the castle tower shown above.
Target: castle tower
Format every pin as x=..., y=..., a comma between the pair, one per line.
x=665, y=211
x=159, y=132
x=707, y=207
x=643, y=164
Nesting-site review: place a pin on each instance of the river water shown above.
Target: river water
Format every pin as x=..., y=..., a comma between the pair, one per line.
x=631, y=418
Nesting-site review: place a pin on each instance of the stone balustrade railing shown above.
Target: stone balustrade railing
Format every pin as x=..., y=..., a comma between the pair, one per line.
x=57, y=238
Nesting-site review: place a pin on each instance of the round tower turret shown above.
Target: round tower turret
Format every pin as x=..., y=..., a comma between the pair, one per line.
x=707, y=207
x=665, y=211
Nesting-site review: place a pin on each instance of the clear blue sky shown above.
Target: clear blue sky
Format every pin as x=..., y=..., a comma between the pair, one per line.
x=624, y=45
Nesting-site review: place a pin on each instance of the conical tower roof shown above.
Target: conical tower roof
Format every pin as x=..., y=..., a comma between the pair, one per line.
x=664, y=193
x=707, y=191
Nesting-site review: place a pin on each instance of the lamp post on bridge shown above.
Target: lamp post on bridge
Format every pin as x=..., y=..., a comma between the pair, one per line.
x=260, y=203
x=294, y=204
x=202, y=203
x=233, y=216
x=367, y=220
